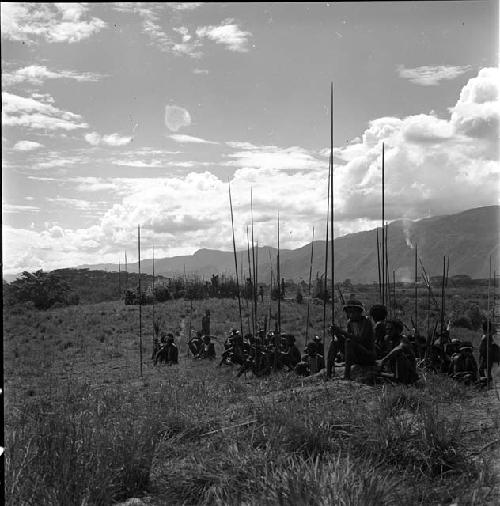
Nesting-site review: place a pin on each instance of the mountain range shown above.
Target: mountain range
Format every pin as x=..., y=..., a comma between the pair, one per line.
x=468, y=238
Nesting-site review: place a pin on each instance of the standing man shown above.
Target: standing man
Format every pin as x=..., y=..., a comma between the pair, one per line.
x=205, y=324
x=357, y=339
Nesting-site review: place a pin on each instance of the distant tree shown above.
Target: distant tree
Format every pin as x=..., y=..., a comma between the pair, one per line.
x=44, y=289
x=299, y=297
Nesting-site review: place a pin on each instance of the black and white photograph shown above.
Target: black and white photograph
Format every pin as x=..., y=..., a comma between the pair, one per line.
x=250, y=253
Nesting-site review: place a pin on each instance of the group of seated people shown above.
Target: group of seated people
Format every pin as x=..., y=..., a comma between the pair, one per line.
x=165, y=351
x=202, y=347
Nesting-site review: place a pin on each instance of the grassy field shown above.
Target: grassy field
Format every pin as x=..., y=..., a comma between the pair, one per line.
x=82, y=426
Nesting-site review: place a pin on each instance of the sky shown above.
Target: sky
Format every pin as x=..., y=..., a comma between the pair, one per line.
x=123, y=114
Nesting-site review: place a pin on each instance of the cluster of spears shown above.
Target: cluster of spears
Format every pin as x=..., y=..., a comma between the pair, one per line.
x=374, y=341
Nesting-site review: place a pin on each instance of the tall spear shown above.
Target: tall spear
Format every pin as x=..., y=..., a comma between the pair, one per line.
x=153, y=295
x=416, y=293
x=309, y=288
x=126, y=272
x=378, y=265
x=254, y=268
x=383, y=224
x=386, y=268
x=442, y=296
x=251, y=282
x=119, y=279
x=279, y=277
x=271, y=287
x=488, y=332
x=140, y=293
x=325, y=283
x=332, y=215
x=235, y=261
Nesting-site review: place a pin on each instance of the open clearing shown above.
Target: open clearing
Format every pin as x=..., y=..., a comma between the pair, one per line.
x=82, y=427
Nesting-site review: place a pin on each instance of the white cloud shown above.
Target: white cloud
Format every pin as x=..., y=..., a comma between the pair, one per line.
x=273, y=157
x=27, y=146
x=200, y=71
x=56, y=22
x=228, y=34
x=176, y=117
x=433, y=166
x=31, y=113
x=114, y=140
x=37, y=74
x=431, y=75
x=12, y=208
x=182, y=138
x=184, y=6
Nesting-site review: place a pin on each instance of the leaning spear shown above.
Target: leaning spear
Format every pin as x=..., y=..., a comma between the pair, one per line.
x=309, y=288
x=235, y=261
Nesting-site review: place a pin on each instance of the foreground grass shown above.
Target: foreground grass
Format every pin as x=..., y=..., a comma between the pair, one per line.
x=82, y=428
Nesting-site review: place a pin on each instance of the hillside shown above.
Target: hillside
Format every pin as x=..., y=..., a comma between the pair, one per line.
x=468, y=238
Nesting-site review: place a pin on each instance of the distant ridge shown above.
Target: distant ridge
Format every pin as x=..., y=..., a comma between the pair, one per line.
x=468, y=238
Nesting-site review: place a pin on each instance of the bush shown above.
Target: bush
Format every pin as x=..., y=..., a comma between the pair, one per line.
x=43, y=289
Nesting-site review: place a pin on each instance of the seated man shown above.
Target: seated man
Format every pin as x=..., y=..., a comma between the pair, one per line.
x=401, y=362
x=464, y=365
x=378, y=313
x=489, y=351
x=289, y=353
x=208, y=349
x=172, y=351
x=358, y=341
x=195, y=344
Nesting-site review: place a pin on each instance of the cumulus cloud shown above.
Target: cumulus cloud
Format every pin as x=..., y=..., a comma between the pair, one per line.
x=432, y=75
x=57, y=22
x=27, y=146
x=114, y=140
x=176, y=117
x=433, y=166
x=228, y=33
x=31, y=113
x=37, y=74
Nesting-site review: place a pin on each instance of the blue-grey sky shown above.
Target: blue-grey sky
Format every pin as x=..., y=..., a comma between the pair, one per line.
x=140, y=113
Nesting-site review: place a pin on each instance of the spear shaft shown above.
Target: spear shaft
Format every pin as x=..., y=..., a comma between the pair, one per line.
x=140, y=294
x=235, y=261
x=332, y=216
x=309, y=288
x=279, y=278
x=383, y=225
x=325, y=282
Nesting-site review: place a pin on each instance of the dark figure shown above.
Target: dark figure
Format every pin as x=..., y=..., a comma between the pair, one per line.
x=261, y=293
x=208, y=349
x=168, y=352
x=393, y=334
x=172, y=351
x=289, y=354
x=359, y=345
x=195, y=344
x=205, y=324
x=464, y=365
x=319, y=346
x=378, y=313
x=489, y=351
x=401, y=363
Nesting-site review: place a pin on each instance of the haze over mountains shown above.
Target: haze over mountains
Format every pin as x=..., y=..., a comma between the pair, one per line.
x=468, y=238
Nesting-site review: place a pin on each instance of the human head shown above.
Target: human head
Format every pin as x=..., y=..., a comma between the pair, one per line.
x=354, y=309
x=206, y=339
x=378, y=312
x=394, y=327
